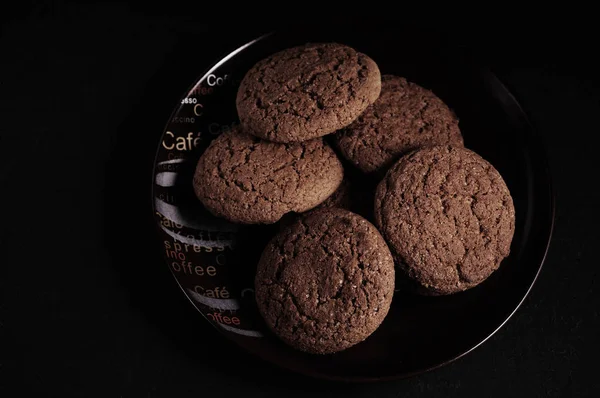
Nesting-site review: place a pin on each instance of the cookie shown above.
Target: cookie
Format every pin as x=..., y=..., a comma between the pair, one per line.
x=326, y=282
x=405, y=117
x=447, y=216
x=341, y=198
x=306, y=92
x=251, y=181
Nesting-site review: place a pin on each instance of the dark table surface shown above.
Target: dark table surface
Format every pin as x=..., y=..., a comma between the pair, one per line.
x=85, y=312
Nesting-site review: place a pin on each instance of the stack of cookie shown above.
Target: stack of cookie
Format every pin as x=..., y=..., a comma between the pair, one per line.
x=325, y=282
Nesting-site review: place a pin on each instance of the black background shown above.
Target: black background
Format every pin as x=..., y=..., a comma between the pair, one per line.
x=88, y=309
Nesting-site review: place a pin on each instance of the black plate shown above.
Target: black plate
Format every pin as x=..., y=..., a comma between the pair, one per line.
x=214, y=261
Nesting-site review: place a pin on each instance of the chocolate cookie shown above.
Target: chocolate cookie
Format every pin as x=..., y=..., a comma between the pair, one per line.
x=247, y=180
x=326, y=282
x=404, y=117
x=306, y=92
x=448, y=217
x=341, y=198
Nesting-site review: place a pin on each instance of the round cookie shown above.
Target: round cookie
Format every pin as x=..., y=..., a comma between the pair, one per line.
x=405, y=117
x=326, y=282
x=447, y=216
x=341, y=198
x=247, y=180
x=306, y=92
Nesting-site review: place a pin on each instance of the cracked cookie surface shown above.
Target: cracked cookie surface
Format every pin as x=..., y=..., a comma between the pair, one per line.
x=342, y=197
x=251, y=181
x=447, y=216
x=405, y=117
x=306, y=92
x=326, y=282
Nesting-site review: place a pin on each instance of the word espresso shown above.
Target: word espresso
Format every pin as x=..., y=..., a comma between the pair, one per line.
x=187, y=248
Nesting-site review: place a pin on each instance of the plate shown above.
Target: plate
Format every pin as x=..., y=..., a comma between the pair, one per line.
x=214, y=261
